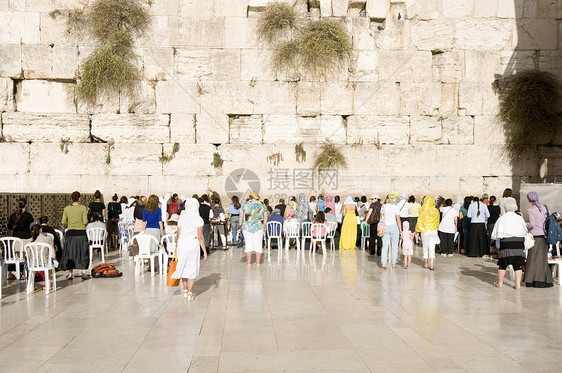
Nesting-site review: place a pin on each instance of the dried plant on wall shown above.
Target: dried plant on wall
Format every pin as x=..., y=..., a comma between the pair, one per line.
x=329, y=156
x=300, y=153
x=64, y=144
x=275, y=158
x=299, y=45
x=530, y=110
x=165, y=158
x=217, y=160
x=111, y=69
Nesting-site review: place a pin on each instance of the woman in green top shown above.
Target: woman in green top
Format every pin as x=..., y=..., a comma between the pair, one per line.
x=76, y=254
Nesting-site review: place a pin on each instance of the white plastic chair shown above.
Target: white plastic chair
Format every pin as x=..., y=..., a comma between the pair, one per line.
x=274, y=232
x=36, y=252
x=130, y=234
x=123, y=239
x=332, y=226
x=97, y=238
x=169, y=251
x=365, y=234
x=306, y=233
x=292, y=230
x=12, y=248
x=557, y=264
x=319, y=233
x=145, y=241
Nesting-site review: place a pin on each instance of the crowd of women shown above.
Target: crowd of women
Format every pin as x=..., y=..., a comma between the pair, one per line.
x=475, y=225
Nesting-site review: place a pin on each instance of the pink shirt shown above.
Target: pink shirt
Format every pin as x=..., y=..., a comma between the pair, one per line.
x=406, y=240
x=536, y=220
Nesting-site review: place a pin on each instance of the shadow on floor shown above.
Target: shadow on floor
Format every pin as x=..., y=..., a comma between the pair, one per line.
x=485, y=274
x=205, y=283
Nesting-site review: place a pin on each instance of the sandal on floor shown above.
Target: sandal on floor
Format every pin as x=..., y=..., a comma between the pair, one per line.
x=84, y=277
x=384, y=267
x=497, y=285
x=431, y=268
x=516, y=288
x=425, y=266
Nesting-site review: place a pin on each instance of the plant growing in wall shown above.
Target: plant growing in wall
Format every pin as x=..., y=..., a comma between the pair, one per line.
x=111, y=68
x=329, y=156
x=300, y=153
x=275, y=158
x=165, y=158
x=64, y=144
x=529, y=108
x=217, y=160
x=319, y=47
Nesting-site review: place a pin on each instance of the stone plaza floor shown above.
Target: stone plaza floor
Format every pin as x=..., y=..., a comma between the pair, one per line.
x=338, y=313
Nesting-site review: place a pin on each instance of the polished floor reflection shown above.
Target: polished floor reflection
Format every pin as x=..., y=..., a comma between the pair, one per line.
x=335, y=313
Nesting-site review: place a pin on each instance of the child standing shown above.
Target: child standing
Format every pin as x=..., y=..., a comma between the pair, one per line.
x=407, y=244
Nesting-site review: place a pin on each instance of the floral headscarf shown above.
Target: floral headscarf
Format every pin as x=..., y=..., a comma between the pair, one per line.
x=290, y=209
x=301, y=212
x=428, y=220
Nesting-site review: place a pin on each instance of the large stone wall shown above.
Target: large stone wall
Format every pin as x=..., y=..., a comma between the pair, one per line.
x=414, y=112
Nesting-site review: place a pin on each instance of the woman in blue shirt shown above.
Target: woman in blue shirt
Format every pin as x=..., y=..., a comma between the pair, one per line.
x=233, y=216
x=152, y=219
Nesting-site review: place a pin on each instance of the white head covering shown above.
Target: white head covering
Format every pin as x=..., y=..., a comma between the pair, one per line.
x=460, y=201
x=349, y=201
x=131, y=201
x=191, y=207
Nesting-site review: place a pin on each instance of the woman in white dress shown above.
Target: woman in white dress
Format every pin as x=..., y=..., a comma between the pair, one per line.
x=189, y=238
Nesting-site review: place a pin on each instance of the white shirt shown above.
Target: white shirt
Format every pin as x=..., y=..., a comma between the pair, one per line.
x=188, y=225
x=447, y=224
x=390, y=213
x=508, y=225
x=338, y=208
x=312, y=207
x=404, y=207
x=473, y=212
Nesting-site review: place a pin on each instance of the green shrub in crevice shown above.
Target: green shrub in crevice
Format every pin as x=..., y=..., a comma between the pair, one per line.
x=329, y=156
x=217, y=160
x=111, y=69
x=529, y=108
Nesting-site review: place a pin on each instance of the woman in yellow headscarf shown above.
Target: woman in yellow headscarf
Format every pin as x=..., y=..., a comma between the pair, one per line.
x=428, y=223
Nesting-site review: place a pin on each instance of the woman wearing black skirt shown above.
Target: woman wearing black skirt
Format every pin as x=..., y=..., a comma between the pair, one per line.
x=478, y=239
x=76, y=254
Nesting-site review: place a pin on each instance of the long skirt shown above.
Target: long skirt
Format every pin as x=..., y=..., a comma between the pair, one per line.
x=348, y=238
x=478, y=240
x=188, y=258
x=537, y=271
x=76, y=252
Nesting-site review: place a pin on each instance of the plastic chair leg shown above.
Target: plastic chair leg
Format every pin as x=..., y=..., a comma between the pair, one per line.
x=152, y=266
x=54, y=280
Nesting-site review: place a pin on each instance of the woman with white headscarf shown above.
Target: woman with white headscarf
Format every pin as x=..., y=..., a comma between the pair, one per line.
x=301, y=212
x=348, y=237
x=189, y=238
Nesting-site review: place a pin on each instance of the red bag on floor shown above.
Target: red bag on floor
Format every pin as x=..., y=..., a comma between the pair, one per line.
x=172, y=281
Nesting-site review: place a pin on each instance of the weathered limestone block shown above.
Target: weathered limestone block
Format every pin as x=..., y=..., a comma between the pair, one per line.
x=20, y=27
x=405, y=66
x=158, y=63
x=326, y=8
x=449, y=99
x=194, y=159
x=494, y=8
x=448, y=67
x=378, y=130
x=65, y=62
x=143, y=100
x=192, y=63
x=423, y=10
x=240, y=157
x=254, y=64
x=38, y=5
x=396, y=32
x=339, y=7
x=278, y=128
x=10, y=60
x=37, y=61
x=44, y=127
x=54, y=31
x=165, y=8
x=308, y=98
x=494, y=185
x=366, y=66
x=426, y=129
x=491, y=100
x=420, y=98
x=433, y=35
x=381, y=98
x=246, y=129
x=442, y=185
x=241, y=32
x=551, y=61
x=275, y=98
x=195, y=8
x=211, y=128
x=159, y=34
x=42, y=96
x=177, y=96
x=182, y=128
x=535, y=34
x=336, y=98
x=471, y=186
x=412, y=185
x=463, y=160
x=230, y=97
x=488, y=130
x=6, y=94
x=377, y=8
x=226, y=64
x=128, y=185
x=457, y=9
x=186, y=185
x=482, y=66
x=458, y=130
x=332, y=127
x=81, y=159
x=483, y=34
x=402, y=155
x=14, y=158
x=501, y=164
x=231, y=8
x=470, y=98
x=363, y=39
x=359, y=184
x=516, y=61
x=135, y=159
x=48, y=184
x=197, y=32
x=132, y=128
